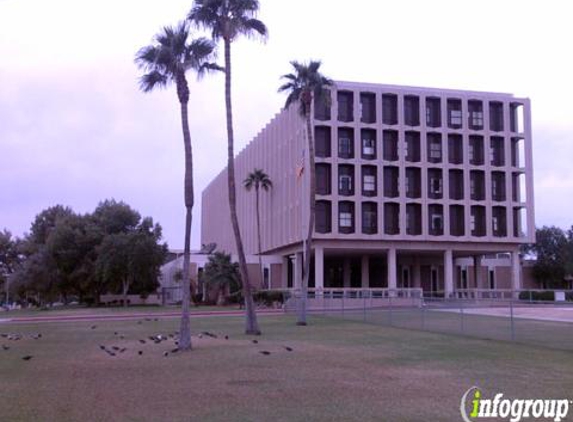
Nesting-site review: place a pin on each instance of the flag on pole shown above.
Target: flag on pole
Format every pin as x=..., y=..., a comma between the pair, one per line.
x=300, y=166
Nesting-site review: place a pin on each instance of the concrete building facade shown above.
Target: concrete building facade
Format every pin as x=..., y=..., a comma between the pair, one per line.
x=415, y=188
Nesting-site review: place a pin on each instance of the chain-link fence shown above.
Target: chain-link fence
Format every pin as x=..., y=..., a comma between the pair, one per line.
x=500, y=317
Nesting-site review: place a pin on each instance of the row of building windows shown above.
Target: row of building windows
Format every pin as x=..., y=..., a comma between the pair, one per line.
x=413, y=186
x=457, y=223
x=474, y=116
x=412, y=145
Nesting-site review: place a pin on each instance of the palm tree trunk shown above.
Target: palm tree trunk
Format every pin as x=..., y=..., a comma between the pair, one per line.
x=311, y=214
x=185, y=327
x=258, y=215
x=251, y=324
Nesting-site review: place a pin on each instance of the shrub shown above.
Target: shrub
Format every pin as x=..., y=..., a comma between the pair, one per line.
x=235, y=298
x=89, y=301
x=537, y=296
x=268, y=297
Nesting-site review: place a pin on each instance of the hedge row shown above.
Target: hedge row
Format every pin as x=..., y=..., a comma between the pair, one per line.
x=542, y=296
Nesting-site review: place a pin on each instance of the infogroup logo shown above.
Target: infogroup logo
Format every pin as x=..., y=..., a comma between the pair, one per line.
x=474, y=406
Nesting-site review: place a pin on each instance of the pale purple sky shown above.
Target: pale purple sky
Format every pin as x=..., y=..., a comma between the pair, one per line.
x=74, y=129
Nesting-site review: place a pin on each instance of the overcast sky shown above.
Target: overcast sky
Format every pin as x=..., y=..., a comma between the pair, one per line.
x=74, y=129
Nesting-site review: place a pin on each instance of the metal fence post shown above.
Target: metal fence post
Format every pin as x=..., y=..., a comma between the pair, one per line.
x=512, y=320
x=390, y=297
x=364, y=304
x=462, y=316
x=343, y=294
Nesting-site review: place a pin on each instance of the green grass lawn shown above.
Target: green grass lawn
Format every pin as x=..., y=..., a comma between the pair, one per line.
x=338, y=370
x=550, y=334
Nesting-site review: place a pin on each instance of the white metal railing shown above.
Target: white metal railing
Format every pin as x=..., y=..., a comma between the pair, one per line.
x=529, y=295
x=360, y=293
x=480, y=294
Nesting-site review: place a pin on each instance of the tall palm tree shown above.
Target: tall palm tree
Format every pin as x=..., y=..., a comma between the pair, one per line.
x=164, y=62
x=304, y=85
x=258, y=179
x=227, y=20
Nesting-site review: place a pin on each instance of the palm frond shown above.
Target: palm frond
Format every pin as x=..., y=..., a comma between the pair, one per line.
x=145, y=58
x=201, y=47
x=242, y=7
x=253, y=27
x=153, y=79
x=206, y=14
x=289, y=76
x=314, y=66
x=257, y=179
x=197, y=53
x=228, y=18
x=208, y=68
x=248, y=183
x=289, y=86
x=172, y=54
x=305, y=83
x=293, y=97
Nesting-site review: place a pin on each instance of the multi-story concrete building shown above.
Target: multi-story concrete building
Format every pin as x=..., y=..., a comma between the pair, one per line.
x=414, y=187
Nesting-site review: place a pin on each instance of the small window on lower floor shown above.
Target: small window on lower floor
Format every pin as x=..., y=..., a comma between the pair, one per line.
x=323, y=217
x=345, y=184
x=369, y=218
x=368, y=144
x=436, y=216
x=437, y=223
x=369, y=183
x=346, y=217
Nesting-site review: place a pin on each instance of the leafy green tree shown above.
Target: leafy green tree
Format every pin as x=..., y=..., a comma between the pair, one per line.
x=60, y=256
x=72, y=247
x=258, y=180
x=10, y=259
x=45, y=222
x=303, y=86
x=131, y=261
x=550, y=248
x=222, y=274
x=113, y=263
x=37, y=278
x=227, y=20
x=41, y=274
x=166, y=62
x=569, y=255
x=113, y=216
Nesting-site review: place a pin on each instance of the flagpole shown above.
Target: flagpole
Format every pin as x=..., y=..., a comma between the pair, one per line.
x=302, y=212
x=304, y=222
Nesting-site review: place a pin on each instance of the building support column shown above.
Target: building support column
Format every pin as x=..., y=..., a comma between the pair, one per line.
x=392, y=270
x=477, y=272
x=298, y=271
x=319, y=268
x=284, y=272
x=448, y=273
x=346, y=273
x=365, y=272
x=416, y=275
x=515, y=272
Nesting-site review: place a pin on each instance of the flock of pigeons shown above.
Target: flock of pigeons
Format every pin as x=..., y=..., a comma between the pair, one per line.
x=115, y=350
x=18, y=337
